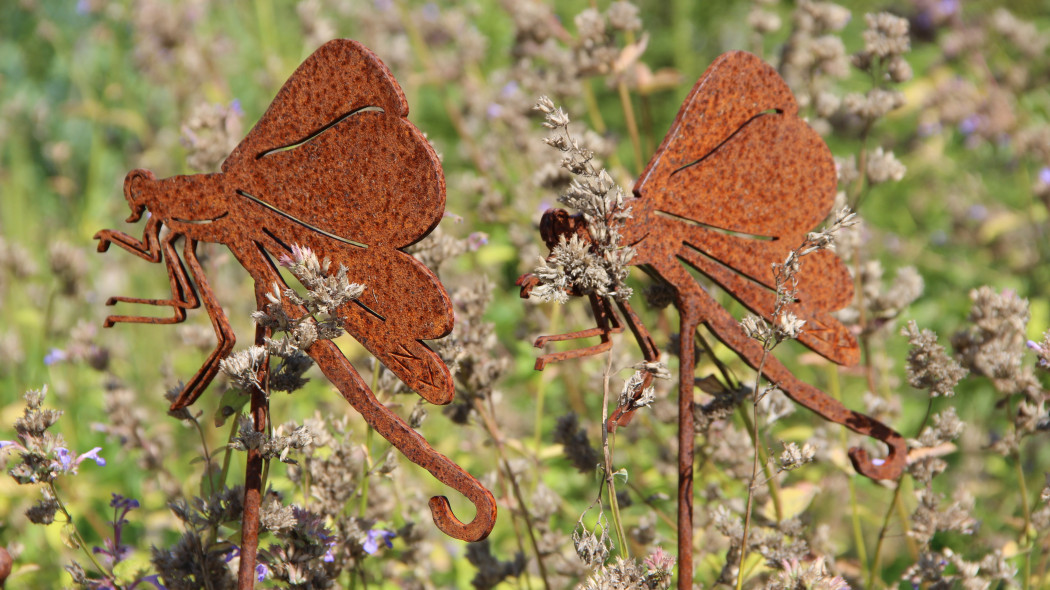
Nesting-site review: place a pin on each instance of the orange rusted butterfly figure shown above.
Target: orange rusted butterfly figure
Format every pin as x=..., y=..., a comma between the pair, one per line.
x=735, y=186
x=333, y=165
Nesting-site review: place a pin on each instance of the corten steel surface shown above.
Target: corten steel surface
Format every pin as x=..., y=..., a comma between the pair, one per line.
x=5, y=566
x=736, y=184
x=333, y=165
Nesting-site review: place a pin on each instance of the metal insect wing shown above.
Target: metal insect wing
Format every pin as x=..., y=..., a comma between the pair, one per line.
x=736, y=184
x=333, y=165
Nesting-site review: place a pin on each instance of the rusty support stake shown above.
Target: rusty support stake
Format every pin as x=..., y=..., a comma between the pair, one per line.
x=253, y=483
x=736, y=184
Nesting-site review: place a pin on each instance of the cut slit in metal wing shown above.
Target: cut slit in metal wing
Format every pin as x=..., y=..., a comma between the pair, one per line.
x=735, y=88
x=340, y=77
x=774, y=178
x=371, y=174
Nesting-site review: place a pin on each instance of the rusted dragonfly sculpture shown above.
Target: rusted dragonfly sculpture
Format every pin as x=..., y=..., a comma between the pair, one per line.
x=333, y=165
x=737, y=183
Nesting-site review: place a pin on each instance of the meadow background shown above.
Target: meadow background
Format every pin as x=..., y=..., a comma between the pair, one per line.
x=953, y=192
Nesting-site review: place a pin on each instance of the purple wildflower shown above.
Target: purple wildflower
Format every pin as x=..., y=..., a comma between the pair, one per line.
x=66, y=462
x=969, y=124
x=262, y=572
x=509, y=89
x=371, y=545
x=1044, y=175
x=55, y=355
x=476, y=240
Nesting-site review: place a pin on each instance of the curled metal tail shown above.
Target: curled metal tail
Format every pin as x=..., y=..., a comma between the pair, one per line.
x=475, y=530
x=888, y=468
x=832, y=410
x=342, y=374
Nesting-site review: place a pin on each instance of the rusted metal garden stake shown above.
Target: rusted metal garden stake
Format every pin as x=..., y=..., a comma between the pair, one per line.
x=5, y=566
x=333, y=165
x=735, y=186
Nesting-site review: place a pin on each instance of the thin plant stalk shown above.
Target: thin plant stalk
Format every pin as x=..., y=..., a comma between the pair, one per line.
x=207, y=456
x=1024, y=538
x=875, y=561
x=628, y=113
x=771, y=481
x=858, y=530
x=610, y=477
x=542, y=379
x=76, y=533
x=754, y=474
x=366, y=467
x=494, y=433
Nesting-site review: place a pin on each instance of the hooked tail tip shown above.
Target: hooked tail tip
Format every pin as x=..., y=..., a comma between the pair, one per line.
x=475, y=530
x=889, y=468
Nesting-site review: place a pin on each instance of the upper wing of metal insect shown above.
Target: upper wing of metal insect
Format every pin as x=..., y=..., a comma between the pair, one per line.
x=335, y=153
x=742, y=179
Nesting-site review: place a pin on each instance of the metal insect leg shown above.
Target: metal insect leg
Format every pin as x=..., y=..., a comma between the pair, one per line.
x=608, y=324
x=154, y=249
x=223, y=332
x=345, y=377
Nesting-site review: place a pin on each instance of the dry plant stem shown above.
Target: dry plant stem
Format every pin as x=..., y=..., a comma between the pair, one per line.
x=207, y=456
x=875, y=560
x=661, y=514
x=501, y=476
x=1024, y=538
x=366, y=466
x=648, y=142
x=593, y=111
x=763, y=457
x=494, y=433
x=628, y=113
x=754, y=473
x=542, y=378
x=77, y=538
x=865, y=345
x=858, y=533
x=1043, y=565
x=366, y=469
x=420, y=49
x=610, y=477
x=253, y=477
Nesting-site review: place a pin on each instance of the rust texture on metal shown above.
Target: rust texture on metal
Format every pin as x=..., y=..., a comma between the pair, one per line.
x=333, y=165
x=737, y=183
x=6, y=564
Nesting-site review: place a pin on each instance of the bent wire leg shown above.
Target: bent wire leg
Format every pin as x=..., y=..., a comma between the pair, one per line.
x=412, y=445
x=223, y=332
x=147, y=248
x=183, y=295
x=608, y=324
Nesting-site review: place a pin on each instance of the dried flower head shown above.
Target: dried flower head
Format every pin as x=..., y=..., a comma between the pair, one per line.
x=928, y=365
x=600, y=266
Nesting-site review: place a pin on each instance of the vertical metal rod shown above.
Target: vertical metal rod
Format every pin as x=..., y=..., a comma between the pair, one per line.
x=686, y=437
x=253, y=479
